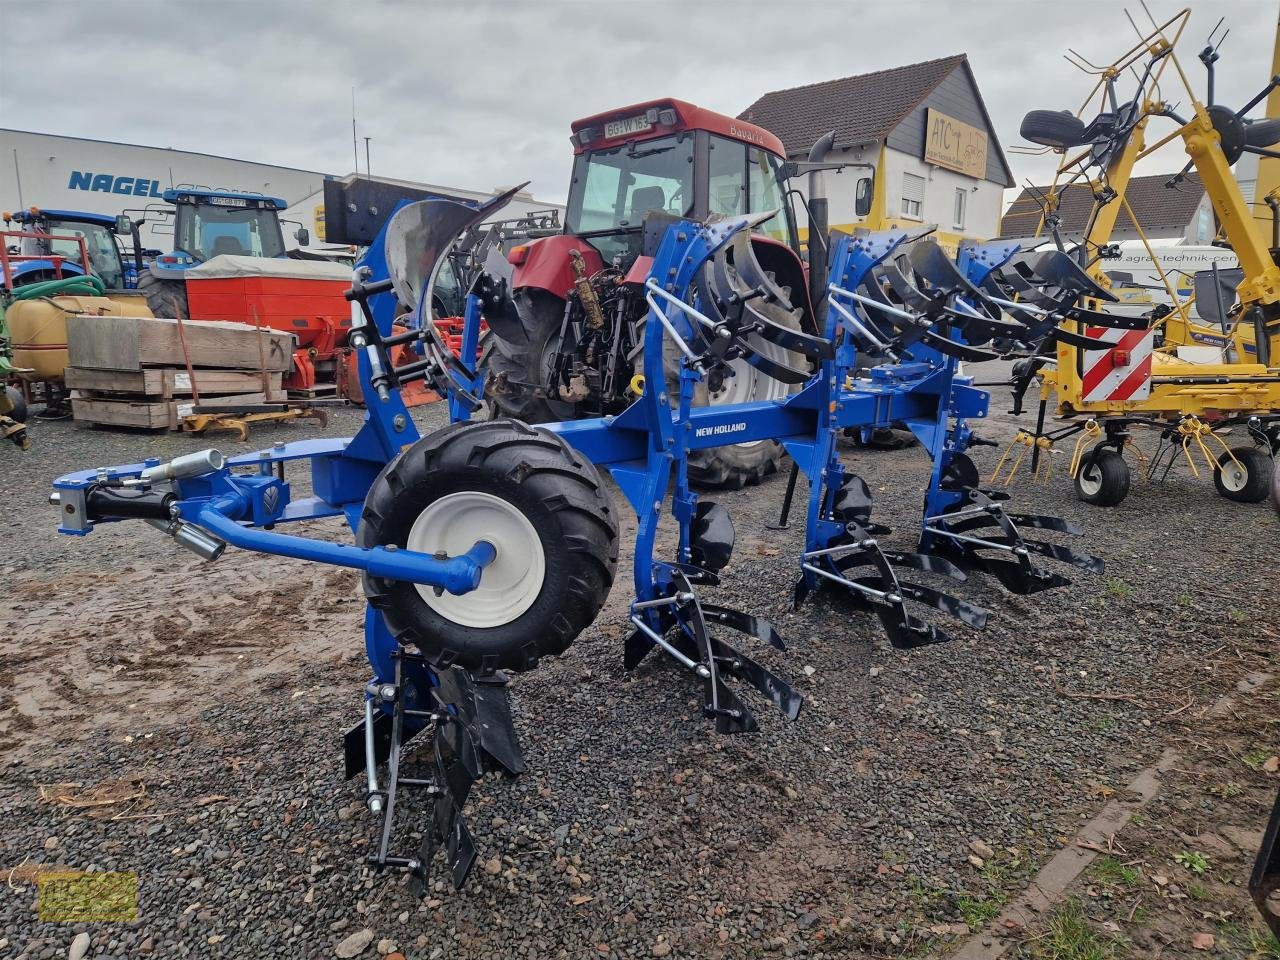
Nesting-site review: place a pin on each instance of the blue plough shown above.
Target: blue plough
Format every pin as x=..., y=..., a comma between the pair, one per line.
x=487, y=545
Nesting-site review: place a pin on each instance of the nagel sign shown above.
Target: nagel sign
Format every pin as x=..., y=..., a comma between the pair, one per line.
x=107, y=183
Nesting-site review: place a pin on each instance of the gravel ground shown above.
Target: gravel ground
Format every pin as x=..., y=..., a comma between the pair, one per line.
x=915, y=791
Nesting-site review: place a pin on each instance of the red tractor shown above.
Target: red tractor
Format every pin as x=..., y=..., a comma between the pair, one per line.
x=567, y=312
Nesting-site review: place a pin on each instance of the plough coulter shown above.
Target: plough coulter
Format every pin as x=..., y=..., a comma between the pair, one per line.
x=487, y=546
x=1110, y=374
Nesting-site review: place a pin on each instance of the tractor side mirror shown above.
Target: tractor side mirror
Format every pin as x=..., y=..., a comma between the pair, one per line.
x=862, y=198
x=303, y=236
x=124, y=226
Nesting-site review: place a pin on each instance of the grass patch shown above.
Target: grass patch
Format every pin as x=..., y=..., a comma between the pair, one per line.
x=920, y=895
x=979, y=912
x=1070, y=937
x=1226, y=791
x=1251, y=940
x=1192, y=860
x=1184, y=600
x=1256, y=757
x=1118, y=588
x=1112, y=873
x=1198, y=892
x=1101, y=723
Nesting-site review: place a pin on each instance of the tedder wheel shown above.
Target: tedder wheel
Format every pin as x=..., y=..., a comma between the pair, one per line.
x=1247, y=478
x=541, y=505
x=1103, y=479
x=1052, y=128
x=17, y=404
x=741, y=464
x=166, y=298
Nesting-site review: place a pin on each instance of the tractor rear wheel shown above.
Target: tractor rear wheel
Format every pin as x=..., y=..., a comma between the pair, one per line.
x=525, y=366
x=740, y=464
x=166, y=298
x=1103, y=479
x=1247, y=478
x=542, y=506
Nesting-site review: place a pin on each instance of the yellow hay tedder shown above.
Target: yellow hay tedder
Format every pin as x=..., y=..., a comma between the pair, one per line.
x=1193, y=378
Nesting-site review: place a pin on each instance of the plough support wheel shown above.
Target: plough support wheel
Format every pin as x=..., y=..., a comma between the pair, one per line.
x=542, y=507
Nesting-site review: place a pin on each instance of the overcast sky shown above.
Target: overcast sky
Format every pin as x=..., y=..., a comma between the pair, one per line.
x=481, y=94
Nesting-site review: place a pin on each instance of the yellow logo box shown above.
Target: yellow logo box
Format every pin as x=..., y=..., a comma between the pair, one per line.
x=76, y=897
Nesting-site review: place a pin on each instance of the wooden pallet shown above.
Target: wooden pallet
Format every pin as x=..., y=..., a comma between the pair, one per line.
x=314, y=393
x=167, y=383
x=133, y=343
x=150, y=413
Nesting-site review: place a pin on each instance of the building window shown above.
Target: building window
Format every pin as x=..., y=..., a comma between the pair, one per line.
x=912, y=195
x=961, y=196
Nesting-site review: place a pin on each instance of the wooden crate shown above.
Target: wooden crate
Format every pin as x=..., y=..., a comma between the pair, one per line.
x=133, y=343
x=166, y=383
x=149, y=414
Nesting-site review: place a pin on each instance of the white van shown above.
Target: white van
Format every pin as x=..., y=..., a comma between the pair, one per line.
x=1136, y=281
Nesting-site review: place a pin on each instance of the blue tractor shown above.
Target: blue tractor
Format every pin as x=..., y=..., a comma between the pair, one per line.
x=113, y=261
x=208, y=224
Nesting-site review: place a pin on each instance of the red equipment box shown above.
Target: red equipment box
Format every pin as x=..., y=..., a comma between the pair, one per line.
x=304, y=297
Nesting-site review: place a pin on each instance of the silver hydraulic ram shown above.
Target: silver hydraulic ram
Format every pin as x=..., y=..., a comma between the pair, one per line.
x=188, y=465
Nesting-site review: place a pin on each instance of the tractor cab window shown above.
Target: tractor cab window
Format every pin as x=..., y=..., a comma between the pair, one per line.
x=206, y=231
x=765, y=191
x=747, y=180
x=726, y=177
x=612, y=190
x=104, y=254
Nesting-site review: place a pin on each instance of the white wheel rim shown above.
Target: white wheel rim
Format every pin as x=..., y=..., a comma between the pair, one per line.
x=509, y=585
x=748, y=383
x=1233, y=476
x=1090, y=480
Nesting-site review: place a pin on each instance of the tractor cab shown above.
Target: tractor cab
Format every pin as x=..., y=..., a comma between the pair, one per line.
x=209, y=223
x=46, y=244
x=671, y=158
x=567, y=313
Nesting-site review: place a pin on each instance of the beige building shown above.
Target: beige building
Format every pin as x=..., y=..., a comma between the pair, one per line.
x=924, y=130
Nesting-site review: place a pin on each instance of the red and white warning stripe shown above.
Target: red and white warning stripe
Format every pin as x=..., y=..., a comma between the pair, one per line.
x=1121, y=373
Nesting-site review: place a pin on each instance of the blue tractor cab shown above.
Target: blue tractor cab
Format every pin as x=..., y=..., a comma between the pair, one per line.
x=208, y=224
x=111, y=260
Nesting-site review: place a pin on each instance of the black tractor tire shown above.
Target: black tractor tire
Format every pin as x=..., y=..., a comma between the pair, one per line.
x=17, y=404
x=524, y=363
x=524, y=473
x=1052, y=128
x=738, y=465
x=1103, y=479
x=166, y=298
x=1250, y=484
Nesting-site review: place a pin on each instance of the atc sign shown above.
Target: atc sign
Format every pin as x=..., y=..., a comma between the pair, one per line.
x=108, y=183
x=955, y=145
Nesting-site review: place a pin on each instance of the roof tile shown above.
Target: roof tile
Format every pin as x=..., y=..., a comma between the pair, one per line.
x=859, y=109
x=1161, y=211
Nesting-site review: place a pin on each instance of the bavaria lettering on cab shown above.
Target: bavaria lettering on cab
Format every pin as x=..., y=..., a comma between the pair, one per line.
x=106, y=183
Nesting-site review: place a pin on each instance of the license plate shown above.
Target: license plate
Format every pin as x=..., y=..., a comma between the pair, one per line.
x=620, y=128
x=228, y=202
